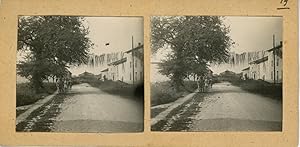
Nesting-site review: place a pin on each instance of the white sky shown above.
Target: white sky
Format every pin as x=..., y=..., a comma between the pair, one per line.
x=248, y=33
x=254, y=33
x=117, y=31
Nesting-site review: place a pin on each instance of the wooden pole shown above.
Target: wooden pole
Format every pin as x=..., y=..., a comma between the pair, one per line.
x=132, y=60
x=274, y=58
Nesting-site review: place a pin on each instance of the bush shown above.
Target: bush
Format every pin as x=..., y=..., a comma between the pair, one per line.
x=163, y=92
x=260, y=87
x=117, y=87
x=25, y=94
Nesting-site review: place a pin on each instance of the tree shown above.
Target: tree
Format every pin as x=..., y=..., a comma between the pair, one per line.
x=52, y=43
x=195, y=42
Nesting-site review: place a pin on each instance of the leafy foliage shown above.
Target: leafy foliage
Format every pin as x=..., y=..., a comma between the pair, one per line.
x=195, y=41
x=53, y=43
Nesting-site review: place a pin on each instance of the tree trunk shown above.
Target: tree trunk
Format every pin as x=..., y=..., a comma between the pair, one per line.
x=37, y=83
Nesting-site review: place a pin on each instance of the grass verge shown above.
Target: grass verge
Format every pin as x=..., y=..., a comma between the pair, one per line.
x=270, y=90
x=25, y=93
x=42, y=119
x=156, y=111
x=180, y=118
x=163, y=92
x=18, y=112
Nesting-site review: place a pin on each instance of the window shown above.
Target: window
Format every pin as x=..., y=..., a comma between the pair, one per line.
x=141, y=76
x=130, y=65
x=277, y=62
x=123, y=67
x=135, y=63
x=136, y=76
x=130, y=76
x=272, y=63
x=272, y=75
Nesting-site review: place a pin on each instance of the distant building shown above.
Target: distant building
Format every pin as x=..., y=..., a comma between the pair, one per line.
x=86, y=74
x=228, y=74
x=246, y=73
x=258, y=69
x=104, y=74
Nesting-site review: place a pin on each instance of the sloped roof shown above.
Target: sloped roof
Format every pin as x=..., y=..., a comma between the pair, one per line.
x=275, y=48
x=246, y=69
x=104, y=70
x=118, y=61
x=259, y=60
x=136, y=48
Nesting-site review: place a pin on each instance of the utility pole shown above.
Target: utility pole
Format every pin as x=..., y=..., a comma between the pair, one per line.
x=274, y=58
x=132, y=60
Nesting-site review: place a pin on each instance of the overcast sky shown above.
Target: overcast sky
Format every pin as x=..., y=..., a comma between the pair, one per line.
x=254, y=33
x=117, y=31
x=249, y=33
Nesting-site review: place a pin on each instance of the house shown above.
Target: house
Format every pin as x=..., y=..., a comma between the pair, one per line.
x=258, y=69
x=267, y=68
x=116, y=70
x=125, y=66
x=245, y=73
x=86, y=74
x=275, y=64
x=104, y=74
x=128, y=69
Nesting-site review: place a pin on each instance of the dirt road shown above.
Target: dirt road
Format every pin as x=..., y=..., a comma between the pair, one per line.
x=229, y=108
x=89, y=109
x=224, y=108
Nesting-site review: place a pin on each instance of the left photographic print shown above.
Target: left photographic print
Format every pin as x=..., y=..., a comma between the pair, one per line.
x=80, y=74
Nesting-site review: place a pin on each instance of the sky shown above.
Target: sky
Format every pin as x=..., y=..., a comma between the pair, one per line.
x=254, y=33
x=248, y=33
x=117, y=31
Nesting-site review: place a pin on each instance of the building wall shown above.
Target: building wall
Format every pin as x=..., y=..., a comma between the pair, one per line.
x=265, y=70
x=278, y=68
x=127, y=72
x=124, y=71
x=104, y=75
x=246, y=74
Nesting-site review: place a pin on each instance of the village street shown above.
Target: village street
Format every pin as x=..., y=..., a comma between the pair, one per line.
x=228, y=108
x=92, y=110
x=87, y=109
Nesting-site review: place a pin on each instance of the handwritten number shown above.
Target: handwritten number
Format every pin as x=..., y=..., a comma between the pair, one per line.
x=284, y=2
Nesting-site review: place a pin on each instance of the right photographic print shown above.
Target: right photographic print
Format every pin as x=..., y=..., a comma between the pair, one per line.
x=216, y=73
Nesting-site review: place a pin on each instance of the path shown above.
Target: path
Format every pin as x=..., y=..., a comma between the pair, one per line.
x=89, y=109
x=33, y=107
x=229, y=108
